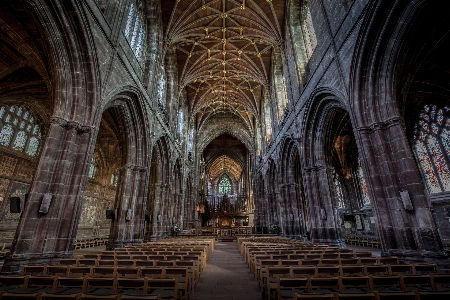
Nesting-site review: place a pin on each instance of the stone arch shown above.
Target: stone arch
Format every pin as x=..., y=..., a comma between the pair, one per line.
x=71, y=73
x=292, y=190
x=159, y=193
x=124, y=107
x=322, y=215
x=382, y=70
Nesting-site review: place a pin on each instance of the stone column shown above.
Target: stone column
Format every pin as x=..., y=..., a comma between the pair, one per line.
x=43, y=238
x=390, y=168
x=322, y=221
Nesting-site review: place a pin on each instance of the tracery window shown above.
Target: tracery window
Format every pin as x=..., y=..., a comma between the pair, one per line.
x=19, y=130
x=115, y=177
x=180, y=122
x=267, y=118
x=302, y=33
x=431, y=146
x=309, y=35
x=225, y=185
x=134, y=31
x=161, y=93
x=337, y=186
x=362, y=184
x=92, y=168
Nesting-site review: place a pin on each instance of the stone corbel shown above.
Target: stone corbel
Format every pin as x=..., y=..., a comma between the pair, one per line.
x=71, y=125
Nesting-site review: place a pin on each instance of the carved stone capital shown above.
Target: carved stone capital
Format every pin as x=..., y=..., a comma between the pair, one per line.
x=381, y=125
x=71, y=125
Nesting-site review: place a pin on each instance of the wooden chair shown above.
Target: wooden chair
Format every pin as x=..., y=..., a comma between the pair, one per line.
x=327, y=271
x=386, y=283
x=287, y=287
x=433, y=295
x=352, y=270
x=395, y=295
x=377, y=270
x=128, y=271
x=57, y=270
x=401, y=269
x=132, y=286
x=354, y=284
x=12, y=283
x=68, y=261
x=80, y=270
x=329, y=296
x=100, y=285
x=34, y=270
x=441, y=282
x=69, y=285
x=167, y=288
x=421, y=269
x=303, y=271
x=324, y=285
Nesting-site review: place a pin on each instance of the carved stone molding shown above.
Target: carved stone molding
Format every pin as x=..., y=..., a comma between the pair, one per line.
x=71, y=125
x=381, y=125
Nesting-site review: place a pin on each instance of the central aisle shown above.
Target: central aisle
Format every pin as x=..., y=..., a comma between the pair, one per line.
x=226, y=276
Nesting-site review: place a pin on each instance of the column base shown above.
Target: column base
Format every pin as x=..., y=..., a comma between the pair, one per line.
x=414, y=256
x=14, y=264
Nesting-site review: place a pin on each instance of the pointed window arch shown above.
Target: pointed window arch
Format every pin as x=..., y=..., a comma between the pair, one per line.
x=303, y=34
x=92, y=168
x=431, y=147
x=134, y=29
x=225, y=185
x=19, y=130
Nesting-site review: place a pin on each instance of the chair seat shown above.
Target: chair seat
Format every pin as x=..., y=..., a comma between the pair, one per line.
x=165, y=294
x=290, y=293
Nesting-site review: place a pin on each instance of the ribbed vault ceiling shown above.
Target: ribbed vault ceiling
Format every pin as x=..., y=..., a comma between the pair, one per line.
x=227, y=165
x=224, y=50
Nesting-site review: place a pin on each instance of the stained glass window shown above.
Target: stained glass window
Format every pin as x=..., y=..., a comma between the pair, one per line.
x=20, y=141
x=134, y=31
x=115, y=177
x=6, y=134
x=15, y=130
x=33, y=146
x=337, y=186
x=309, y=35
x=363, y=184
x=267, y=118
x=225, y=185
x=302, y=34
x=92, y=168
x=431, y=145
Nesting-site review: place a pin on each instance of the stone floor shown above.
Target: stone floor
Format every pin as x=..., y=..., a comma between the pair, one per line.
x=226, y=276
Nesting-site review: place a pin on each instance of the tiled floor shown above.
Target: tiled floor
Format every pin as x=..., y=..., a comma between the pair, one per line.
x=226, y=276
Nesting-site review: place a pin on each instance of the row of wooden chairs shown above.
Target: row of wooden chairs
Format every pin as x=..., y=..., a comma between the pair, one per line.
x=417, y=295
x=261, y=261
x=286, y=288
x=89, y=242
x=166, y=288
x=79, y=296
x=363, y=241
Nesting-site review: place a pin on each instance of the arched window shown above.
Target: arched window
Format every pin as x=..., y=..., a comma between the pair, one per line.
x=225, y=185
x=302, y=33
x=92, y=168
x=337, y=187
x=267, y=118
x=134, y=30
x=19, y=130
x=431, y=146
x=161, y=93
x=180, y=122
x=115, y=177
x=362, y=184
